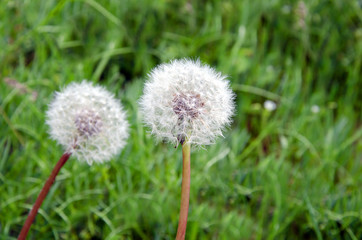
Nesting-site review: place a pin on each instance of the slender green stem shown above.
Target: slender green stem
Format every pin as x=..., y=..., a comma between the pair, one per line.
x=42, y=195
x=185, y=191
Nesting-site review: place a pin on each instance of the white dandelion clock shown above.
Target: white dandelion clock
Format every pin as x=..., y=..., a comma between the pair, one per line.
x=88, y=122
x=185, y=100
x=189, y=103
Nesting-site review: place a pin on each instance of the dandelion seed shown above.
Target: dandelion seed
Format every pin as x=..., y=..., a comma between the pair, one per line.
x=270, y=105
x=315, y=109
x=284, y=141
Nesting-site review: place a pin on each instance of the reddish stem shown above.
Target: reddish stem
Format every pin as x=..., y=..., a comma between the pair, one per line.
x=42, y=195
x=185, y=192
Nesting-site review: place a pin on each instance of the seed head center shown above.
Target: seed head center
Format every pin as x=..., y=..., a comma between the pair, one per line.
x=187, y=106
x=88, y=123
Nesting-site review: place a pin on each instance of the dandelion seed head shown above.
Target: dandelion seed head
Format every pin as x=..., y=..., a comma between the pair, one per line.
x=88, y=122
x=186, y=100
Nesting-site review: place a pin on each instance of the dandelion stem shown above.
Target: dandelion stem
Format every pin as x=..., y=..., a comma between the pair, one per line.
x=42, y=195
x=185, y=191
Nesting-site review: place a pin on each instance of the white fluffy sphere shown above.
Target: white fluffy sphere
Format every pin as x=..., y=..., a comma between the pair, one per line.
x=88, y=122
x=185, y=100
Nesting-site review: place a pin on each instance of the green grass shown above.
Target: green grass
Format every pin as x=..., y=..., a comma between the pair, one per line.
x=286, y=174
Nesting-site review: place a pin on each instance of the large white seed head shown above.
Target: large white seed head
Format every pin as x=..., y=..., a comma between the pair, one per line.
x=88, y=122
x=185, y=100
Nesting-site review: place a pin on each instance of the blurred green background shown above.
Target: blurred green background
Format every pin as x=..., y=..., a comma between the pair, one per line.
x=294, y=172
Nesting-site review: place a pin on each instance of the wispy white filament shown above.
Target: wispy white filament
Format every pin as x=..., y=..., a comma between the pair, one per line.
x=185, y=100
x=88, y=122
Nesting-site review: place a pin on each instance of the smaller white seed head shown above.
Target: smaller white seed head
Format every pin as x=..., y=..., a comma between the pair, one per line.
x=270, y=105
x=186, y=101
x=88, y=122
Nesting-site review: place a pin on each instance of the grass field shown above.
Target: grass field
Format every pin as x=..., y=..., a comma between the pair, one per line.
x=291, y=173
